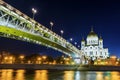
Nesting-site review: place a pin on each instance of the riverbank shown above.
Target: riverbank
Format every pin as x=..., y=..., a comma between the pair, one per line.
x=60, y=67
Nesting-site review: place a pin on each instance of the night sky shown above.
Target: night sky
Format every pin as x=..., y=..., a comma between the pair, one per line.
x=75, y=17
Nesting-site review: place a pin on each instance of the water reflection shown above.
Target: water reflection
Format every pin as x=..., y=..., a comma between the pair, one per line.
x=41, y=75
x=99, y=76
x=20, y=75
x=115, y=75
x=68, y=75
x=74, y=75
x=9, y=74
x=83, y=75
x=6, y=74
x=108, y=75
x=77, y=75
x=91, y=75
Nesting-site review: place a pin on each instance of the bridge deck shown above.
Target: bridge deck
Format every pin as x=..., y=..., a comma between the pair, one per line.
x=20, y=35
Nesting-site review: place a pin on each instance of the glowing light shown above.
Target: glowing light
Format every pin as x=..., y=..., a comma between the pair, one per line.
x=44, y=57
x=71, y=39
x=51, y=24
x=34, y=11
x=7, y=74
x=68, y=75
x=6, y=58
x=22, y=56
x=61, y=32
x=75, y=43
x=20, y=75
x=41, y=75
x=39, y=58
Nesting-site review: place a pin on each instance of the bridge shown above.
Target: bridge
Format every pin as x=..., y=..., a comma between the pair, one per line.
x=16, y=25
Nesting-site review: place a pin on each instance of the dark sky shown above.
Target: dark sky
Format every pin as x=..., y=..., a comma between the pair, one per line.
x=75, y=17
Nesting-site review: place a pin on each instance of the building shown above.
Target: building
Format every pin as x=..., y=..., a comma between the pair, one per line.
x=92, y=48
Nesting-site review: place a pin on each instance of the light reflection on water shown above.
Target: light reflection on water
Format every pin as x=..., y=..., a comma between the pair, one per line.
x=68, y=75
x=9, y=74
x=6, y=74
x=41, y=75
x=20, y=75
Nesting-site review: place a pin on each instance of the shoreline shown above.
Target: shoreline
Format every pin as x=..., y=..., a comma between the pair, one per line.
x=61, y=67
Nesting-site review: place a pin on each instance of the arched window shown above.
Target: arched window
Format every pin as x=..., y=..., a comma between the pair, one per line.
x=91, y=53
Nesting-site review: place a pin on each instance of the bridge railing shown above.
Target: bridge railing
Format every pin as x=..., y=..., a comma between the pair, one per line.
x=27, y=24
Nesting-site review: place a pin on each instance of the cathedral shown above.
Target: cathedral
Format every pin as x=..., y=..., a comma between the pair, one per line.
x=92, y=48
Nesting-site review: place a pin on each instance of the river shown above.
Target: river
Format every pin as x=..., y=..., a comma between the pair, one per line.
x=10, y=74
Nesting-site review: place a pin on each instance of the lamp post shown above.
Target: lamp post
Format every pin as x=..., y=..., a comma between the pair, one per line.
x=51, y=25
x=39, y=60
x=34, y=11
x=61, y=32
x=75, y=43
x=71, y=39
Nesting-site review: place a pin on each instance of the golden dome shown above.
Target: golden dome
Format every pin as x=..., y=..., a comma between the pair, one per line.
x=83, y=40
x=92, y=34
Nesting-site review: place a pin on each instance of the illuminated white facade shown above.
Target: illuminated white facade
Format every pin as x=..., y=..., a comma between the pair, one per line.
x=92, y=48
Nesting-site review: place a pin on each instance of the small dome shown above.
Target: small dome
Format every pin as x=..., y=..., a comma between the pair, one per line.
x=100, y=38
x=83, y=40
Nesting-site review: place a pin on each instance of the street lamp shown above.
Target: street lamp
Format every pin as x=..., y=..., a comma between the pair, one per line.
x=21, y=58
x=61, y=32
x=44, y=59
x=39, y=60
x=71, y=39
x=75, y=43
x=34, y=11
x=51, y=25
x=78, y=46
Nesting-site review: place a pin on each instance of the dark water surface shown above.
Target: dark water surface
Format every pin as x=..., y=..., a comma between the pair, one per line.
x=10, y=74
